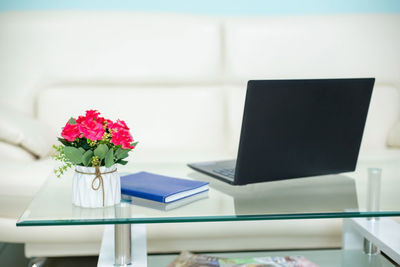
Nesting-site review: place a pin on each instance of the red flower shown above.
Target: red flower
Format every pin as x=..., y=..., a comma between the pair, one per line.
x=91, y=129
x=104, y=121
x=122, y=138
x=70, y=132
x=80, y=119
x=92, y=114
x=120, y=134
x=118, y=125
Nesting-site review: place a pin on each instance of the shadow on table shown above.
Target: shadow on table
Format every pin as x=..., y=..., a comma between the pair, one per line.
x=319, y=194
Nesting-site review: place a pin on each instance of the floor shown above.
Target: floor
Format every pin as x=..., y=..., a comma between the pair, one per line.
x=12, y=255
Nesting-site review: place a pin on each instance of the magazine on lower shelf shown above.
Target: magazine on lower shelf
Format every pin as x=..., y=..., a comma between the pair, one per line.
x=187, y=259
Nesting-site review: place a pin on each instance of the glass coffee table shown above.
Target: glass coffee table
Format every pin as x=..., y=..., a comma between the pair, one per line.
x=364, y=199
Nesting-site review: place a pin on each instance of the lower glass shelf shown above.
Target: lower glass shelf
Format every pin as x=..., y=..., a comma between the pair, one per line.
x=321, y=257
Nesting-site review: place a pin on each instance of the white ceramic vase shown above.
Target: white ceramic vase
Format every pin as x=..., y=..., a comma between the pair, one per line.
x=88, y=186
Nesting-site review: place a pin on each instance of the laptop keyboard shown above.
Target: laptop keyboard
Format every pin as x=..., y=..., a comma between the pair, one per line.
x=228, y=172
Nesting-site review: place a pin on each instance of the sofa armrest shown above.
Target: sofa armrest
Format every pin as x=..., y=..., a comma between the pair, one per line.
x=26, y=132
x=15, y=153
x=394, y=136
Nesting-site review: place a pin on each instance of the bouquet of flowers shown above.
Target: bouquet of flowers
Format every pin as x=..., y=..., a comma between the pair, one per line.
x=93, y=141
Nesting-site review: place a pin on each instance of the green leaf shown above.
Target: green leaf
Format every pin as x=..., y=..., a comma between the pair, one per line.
x=101, y=151
x=82, y=150
x=118, y=151
x=64, y=142
x=122, y=162
x=73, y=154
x=83, y=143
x=122, y=153
x=72, y=121
x=109, y=160
x=124, y=156
x=86, y=158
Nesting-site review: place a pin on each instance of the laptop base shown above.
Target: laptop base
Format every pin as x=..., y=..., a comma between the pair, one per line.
x=222, y=170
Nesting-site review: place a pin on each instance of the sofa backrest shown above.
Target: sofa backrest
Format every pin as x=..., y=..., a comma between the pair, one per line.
x=171, y=123
x=180, y=80
x=279, y=47
x=39, y=50
x=313, y=46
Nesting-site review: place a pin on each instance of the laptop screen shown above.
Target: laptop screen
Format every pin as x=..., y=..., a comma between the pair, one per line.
x=298, y=128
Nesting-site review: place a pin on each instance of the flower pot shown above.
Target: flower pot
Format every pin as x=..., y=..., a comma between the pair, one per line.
x=95, y=187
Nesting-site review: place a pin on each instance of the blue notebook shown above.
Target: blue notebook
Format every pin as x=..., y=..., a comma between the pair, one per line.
x=160, y=188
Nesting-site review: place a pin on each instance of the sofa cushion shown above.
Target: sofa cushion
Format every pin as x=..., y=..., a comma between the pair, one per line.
x=170, y=123
x=42, y=48
x=383, y=112
x=313, y=47
x=15, y=153
x=235, y=97
x=26, y=132
x=24, y=178
x=394, y=136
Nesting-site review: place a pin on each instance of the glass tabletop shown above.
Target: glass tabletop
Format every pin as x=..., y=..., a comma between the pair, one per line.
x=329, y=196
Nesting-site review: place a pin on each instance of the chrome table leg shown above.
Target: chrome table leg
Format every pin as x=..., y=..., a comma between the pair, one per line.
x=122, y=241
x=108, y=256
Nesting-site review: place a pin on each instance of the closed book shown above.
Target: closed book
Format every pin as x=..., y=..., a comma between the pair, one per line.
x=160, y=188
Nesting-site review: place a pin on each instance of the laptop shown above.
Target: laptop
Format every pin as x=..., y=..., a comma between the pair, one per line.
x=297, y=128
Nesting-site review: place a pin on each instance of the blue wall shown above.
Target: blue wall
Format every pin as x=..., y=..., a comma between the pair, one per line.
x=224, y=7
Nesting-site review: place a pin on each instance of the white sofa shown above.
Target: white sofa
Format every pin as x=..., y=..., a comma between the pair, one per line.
x=179, y=82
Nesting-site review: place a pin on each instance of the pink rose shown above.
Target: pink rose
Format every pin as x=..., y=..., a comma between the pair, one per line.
x=118, y=125
x=91, y=129
x=123, y=138
x=104, y=121
x=70, y=132
x=92, y=114
x=80, y=119
x=120, y=134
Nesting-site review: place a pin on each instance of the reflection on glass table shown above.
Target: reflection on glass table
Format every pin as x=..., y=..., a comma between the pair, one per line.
x=330, y=196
